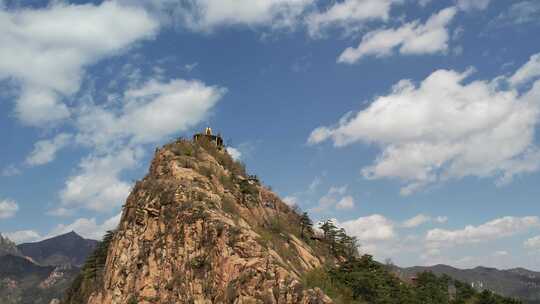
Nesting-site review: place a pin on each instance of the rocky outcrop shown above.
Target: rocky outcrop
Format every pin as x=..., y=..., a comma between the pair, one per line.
x=196, y=229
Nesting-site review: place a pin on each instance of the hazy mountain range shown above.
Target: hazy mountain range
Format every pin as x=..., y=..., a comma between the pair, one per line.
x=517, y=282
x=36, y=273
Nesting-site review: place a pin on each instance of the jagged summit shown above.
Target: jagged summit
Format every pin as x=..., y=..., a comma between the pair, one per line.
x=198, y=229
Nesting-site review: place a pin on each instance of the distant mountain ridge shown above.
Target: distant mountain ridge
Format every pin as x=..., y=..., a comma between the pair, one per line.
x=517, y=282
x=36, y=273
x=65, y=249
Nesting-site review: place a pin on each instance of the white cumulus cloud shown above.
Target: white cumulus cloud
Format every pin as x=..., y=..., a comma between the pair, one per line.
x=421, y=219
x=235, y=153
x=335, y=198
x=527, y=72
x=8, y=208
x=87, y=227
x=444, y=128
x=45, y=150
x=346, y=202
x=23, y=236
x=208, y=15
x=150, y=113
x=411, y=38
x=46, y=50
x=495, y=229
x=369, y=228
x=532, y=243
x=97, y=185
x=348, y=14
x=291, y=200
x=416, y=221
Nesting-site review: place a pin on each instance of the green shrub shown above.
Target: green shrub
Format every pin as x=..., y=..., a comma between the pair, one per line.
x=229, y=205
x=199, y=262
x=248, y=189
x=182, y=147
x=234, y=235
x=276, y=226
x=133, y=300
x=206, y=171
x=231, y=292
x=198, y=213
x=227, y=182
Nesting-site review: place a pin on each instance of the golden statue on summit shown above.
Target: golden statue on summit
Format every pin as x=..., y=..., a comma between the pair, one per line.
x=207, y=135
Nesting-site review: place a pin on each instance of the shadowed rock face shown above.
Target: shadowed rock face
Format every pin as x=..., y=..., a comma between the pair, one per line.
x=16, y=267
x=22, y=281
x=196, y=230
x=69, y=248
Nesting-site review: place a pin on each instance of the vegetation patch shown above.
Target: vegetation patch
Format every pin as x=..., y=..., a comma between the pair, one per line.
x=229, y=205
x=363, y=280
x=199, y=262
x=91, y=276
x=234, y=235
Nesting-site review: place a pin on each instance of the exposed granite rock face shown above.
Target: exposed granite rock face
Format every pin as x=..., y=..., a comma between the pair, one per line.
x=196, y=230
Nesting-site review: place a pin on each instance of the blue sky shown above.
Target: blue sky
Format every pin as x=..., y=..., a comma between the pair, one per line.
x=411, y=122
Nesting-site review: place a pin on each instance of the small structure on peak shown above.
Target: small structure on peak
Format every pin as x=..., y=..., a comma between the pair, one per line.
x=208, y=136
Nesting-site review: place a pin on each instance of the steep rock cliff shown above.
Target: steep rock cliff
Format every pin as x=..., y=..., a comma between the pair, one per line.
x=198, y=229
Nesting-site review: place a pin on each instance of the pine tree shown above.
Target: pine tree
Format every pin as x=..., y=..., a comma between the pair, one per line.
x=330, y=233
x=347, y=245
x=306, y=225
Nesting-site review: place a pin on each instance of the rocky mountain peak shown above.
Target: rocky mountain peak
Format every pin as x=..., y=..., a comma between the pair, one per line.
x=69, y=248
x=198, y=229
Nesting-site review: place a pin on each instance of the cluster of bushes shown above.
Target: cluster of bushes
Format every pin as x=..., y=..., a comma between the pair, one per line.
x=224, y=159
x=189, y=148
x=341, y=244
x=363, y=280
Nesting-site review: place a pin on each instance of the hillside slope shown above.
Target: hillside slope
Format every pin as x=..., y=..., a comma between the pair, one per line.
x=197, y=229
x=519, y=283
x=24, y=282
x=35, y=273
